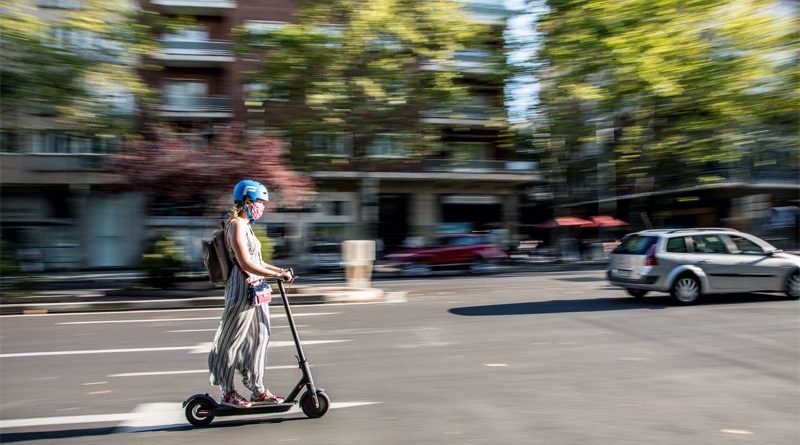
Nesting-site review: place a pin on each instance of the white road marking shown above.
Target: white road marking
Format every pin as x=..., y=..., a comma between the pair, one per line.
x=218, y=309
x=96, y=351
x=94, y=383
x=188, y=371
x=95, y=393
x=215, y=329
x=148, y=415
x=736, y=432
x=84, y=303
x=205, y=347
x=63, y=420
x=496, y=365
x=196, y=349
x=155, y=320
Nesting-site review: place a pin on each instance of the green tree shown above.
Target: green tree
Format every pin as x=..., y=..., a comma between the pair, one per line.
x=80, y=66
x=360, y=67
x=673, y=87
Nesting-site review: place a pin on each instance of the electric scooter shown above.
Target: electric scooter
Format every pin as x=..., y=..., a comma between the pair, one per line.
x=201, y=409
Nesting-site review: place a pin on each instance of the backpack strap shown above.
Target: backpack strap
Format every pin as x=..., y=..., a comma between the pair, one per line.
x=231, y=255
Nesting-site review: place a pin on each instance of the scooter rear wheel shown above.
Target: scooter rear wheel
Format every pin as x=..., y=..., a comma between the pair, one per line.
x=307, y=404
x=200, y=413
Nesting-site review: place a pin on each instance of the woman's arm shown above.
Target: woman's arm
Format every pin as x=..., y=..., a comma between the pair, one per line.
x=239, y=247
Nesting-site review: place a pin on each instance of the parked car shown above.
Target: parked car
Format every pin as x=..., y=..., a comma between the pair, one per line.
x=688, y=263
x=322, y=257
x=476, y=253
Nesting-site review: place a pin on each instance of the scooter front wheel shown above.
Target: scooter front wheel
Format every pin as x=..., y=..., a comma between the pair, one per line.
x=312, y=411
x=200, y=413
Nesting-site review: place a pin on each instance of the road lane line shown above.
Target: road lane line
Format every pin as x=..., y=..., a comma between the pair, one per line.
x=215, y=329
x=203, y=348
x=191, y=371
x=96, y=351
x=196, y=349
x=155, y=320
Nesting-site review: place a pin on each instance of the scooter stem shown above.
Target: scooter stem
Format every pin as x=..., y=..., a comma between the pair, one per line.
x=301, y=357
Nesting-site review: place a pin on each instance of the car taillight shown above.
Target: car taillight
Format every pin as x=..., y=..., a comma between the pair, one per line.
x=651, y=259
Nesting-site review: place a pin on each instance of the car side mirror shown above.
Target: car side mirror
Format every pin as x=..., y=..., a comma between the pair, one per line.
x=773, y=252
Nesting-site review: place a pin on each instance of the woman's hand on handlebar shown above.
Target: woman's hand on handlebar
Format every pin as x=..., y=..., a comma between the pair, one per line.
x=287, y=275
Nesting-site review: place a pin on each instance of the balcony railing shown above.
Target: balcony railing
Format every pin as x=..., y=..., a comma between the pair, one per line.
x=468, y=61
x=213, y=106
x=477, y=166
x=465, y=114
x=196, y=7
x=425, y=165
x=196, y=52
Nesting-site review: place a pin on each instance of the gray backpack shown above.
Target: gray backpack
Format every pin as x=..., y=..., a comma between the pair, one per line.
x=215, y=257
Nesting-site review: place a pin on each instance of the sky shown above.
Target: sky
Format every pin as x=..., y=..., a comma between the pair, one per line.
x=522, y=91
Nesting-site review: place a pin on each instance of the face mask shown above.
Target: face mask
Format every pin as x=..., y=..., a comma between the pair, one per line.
x=256, y=210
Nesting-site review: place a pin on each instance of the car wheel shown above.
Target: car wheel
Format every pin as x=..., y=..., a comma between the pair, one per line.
x=416, y=269
x=793, y=285
x=686, y=289
x=636, y=293
x=482, y=265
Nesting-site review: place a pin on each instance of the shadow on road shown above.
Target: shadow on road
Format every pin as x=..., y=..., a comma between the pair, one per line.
x=605, y=304
x=557, y=306
x=107, y=431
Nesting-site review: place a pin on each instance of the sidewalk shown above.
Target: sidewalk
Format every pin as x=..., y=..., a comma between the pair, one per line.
x=67, y=292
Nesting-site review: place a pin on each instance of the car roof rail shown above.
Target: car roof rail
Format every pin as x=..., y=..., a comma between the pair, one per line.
x=704, y=229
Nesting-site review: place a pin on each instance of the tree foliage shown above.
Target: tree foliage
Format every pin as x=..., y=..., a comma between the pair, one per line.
x=674, y=86
x=180, y=177
x=79, y=65
x=353, y=66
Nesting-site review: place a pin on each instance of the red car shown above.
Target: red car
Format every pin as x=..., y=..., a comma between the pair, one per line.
x=476, y=253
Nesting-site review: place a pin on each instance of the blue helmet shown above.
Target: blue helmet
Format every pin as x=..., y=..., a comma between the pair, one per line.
x=247, y=188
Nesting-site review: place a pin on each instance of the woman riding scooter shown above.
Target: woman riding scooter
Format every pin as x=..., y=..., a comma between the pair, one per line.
x=240, y=342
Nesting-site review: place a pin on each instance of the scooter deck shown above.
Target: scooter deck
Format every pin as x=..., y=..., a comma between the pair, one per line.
x=256, y=408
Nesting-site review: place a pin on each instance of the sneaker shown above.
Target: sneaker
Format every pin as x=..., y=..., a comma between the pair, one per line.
x=233, y=398
x=266, y=397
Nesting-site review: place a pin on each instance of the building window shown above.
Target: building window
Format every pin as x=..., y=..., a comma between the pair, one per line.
x=192, y=34
x=388, y=145
x=329, y=144
x=185, y=93
x=54, y=142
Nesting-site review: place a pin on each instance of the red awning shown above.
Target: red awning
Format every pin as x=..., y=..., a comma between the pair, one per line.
x=563, y=221
x=604, y=221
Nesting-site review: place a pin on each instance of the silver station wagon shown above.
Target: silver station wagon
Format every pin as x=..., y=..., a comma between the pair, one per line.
x=688, y=263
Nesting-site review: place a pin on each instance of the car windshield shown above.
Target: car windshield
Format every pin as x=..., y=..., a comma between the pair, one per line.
x=636, y=245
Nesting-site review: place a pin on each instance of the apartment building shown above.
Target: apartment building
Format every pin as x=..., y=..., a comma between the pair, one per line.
x=475, y=183
x=56, y=210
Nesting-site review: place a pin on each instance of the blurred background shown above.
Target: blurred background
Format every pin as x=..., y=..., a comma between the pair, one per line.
x=553, y=127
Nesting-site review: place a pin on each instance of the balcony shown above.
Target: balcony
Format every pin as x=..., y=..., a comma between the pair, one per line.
x=469, y=115
x=469, y=61
x=196, y=108
x=195, y=53
x=195, y=7
x=488, y=12
x=499, y=171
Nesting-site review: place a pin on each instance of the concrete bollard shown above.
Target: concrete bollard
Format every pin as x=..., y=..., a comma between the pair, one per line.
x=358, y=257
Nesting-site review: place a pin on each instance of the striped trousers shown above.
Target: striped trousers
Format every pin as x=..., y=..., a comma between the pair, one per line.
x=241, y=340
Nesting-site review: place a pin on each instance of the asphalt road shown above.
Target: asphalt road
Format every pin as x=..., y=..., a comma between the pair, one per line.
x=556, y=358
